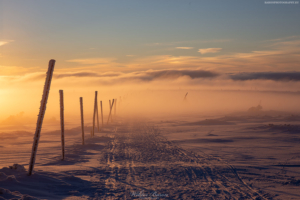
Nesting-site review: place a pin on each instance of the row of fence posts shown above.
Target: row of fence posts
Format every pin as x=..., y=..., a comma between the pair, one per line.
x=42, y=114
x=95, y=114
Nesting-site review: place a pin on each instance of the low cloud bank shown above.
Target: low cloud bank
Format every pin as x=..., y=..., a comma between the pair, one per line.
x=193, y=74
x=155, y=75
x=275, y=76
x=174, y=74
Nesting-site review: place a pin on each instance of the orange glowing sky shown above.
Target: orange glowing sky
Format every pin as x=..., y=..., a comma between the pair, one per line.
x=123, y=47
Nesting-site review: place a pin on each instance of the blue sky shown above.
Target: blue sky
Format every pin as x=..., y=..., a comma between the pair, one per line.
x=81, y=29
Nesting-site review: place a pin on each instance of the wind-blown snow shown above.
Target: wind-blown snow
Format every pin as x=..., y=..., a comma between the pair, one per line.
x=237, y=156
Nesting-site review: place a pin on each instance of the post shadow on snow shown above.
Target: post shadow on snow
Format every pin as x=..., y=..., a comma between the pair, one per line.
x=44, y=185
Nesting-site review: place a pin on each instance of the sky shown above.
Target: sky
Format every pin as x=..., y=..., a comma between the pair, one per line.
x=122, y=47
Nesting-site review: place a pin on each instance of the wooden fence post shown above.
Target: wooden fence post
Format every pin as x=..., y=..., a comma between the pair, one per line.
x=97, y=114
x=41, y=115
x=115, y=108
x=82, y=121
x=101, y=113
x=94, y=115
x=62, y=126
x=109, y=111
x=111, y=106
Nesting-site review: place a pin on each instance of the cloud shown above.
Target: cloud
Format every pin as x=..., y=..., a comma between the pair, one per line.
x=189, y=42
x=149, y=75
x=5, y=42
x=275, y=76
x=12, y=70
x=194, y=78
x=30, y=77
x=174, y=74
x=91, y=61
x=279, y=62
x=121, y=78
x=294, y=37
x=280, y=55
x=85, y=74
x=184, y=47
x=209, y=50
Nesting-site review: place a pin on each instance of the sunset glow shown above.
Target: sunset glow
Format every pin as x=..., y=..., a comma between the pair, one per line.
x=104, y=46
x=149, y=99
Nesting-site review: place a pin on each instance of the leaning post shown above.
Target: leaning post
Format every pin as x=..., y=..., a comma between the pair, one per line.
x=41, y=115
x=111, y=106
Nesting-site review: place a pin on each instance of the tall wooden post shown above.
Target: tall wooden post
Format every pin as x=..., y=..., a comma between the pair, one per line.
x=94, y=115
x=41, y=115
x=109, y=111
x=111, y=106
x=82, y=122
x=62, y=126
x=97, y=114
x=115, y=108
x=101, y=113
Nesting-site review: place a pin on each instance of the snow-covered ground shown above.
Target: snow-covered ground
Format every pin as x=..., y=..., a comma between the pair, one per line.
x=239, y=156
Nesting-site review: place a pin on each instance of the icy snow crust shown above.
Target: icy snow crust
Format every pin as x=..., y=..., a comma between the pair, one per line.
x=231, y=157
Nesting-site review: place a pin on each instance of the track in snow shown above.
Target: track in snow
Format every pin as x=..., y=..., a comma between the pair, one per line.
x=139, y=163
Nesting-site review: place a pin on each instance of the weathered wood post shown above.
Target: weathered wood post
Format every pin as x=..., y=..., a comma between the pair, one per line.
x=41, y=115
x=101, y=113
x=115, y=108
x=109, y=111
x=82, y=122
x=94, y=115
x=97, y=114
x=111, y=106
x=62, y=126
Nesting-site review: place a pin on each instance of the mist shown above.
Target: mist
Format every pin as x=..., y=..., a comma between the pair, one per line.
x=149, y=103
